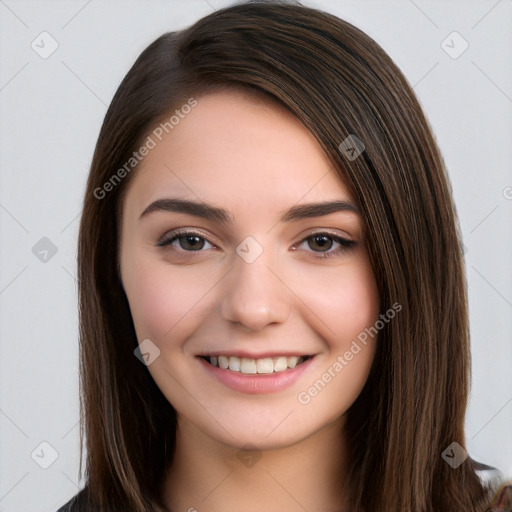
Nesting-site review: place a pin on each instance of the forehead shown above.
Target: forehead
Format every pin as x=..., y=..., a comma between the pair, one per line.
x=232, y=146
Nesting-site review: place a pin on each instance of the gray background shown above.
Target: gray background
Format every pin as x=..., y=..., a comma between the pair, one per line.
x=51, y=110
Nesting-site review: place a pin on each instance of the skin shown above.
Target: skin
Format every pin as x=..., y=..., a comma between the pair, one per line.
x=256, y=160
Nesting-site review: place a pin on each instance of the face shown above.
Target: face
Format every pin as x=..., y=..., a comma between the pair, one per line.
x=226, y=261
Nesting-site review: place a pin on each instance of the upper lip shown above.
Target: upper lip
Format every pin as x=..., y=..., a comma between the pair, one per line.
x=250, y=355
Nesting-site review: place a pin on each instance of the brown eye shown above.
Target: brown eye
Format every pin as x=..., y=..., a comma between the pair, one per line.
x=191, y=242
x=187, y=241
x=322, y=243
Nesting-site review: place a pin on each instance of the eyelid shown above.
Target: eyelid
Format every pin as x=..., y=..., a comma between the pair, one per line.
x=327, y=231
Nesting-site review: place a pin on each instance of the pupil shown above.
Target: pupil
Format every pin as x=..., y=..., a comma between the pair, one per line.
x=324, y=240
x=195, y=242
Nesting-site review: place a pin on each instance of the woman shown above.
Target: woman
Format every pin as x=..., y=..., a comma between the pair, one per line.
x=273, y=308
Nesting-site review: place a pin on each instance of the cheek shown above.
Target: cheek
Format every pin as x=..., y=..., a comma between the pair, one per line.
x=162, y=300
x=358, y=300
x=348, y=307
x=344, y=302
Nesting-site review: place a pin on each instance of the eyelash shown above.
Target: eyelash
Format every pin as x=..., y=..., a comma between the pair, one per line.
x=345, y=245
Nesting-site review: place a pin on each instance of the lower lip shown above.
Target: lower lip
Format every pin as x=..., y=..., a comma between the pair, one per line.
x=257, y=383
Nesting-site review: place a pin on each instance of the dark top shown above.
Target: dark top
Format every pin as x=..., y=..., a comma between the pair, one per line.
x=502, y=501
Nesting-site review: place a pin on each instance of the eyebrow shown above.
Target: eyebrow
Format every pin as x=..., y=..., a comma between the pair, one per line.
x=221, y=215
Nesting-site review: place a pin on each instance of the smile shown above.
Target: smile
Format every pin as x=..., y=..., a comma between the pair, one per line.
x=249, y=366
x=256, y=375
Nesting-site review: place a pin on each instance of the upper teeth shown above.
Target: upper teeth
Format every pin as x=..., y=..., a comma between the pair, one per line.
x=251, y=366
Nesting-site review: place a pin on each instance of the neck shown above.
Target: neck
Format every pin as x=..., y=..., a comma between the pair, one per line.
x=209, y=475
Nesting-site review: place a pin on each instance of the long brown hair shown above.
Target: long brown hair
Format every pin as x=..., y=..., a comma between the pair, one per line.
x=338, y=82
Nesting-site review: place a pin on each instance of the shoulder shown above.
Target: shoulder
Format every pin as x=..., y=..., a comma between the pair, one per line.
x=68, y=507
x=82, y=502
x=78, y=503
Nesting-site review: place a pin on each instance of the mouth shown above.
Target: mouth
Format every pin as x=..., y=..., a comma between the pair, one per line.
x=250, y=366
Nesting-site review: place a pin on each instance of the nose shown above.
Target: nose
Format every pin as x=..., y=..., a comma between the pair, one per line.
x=255, y=296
